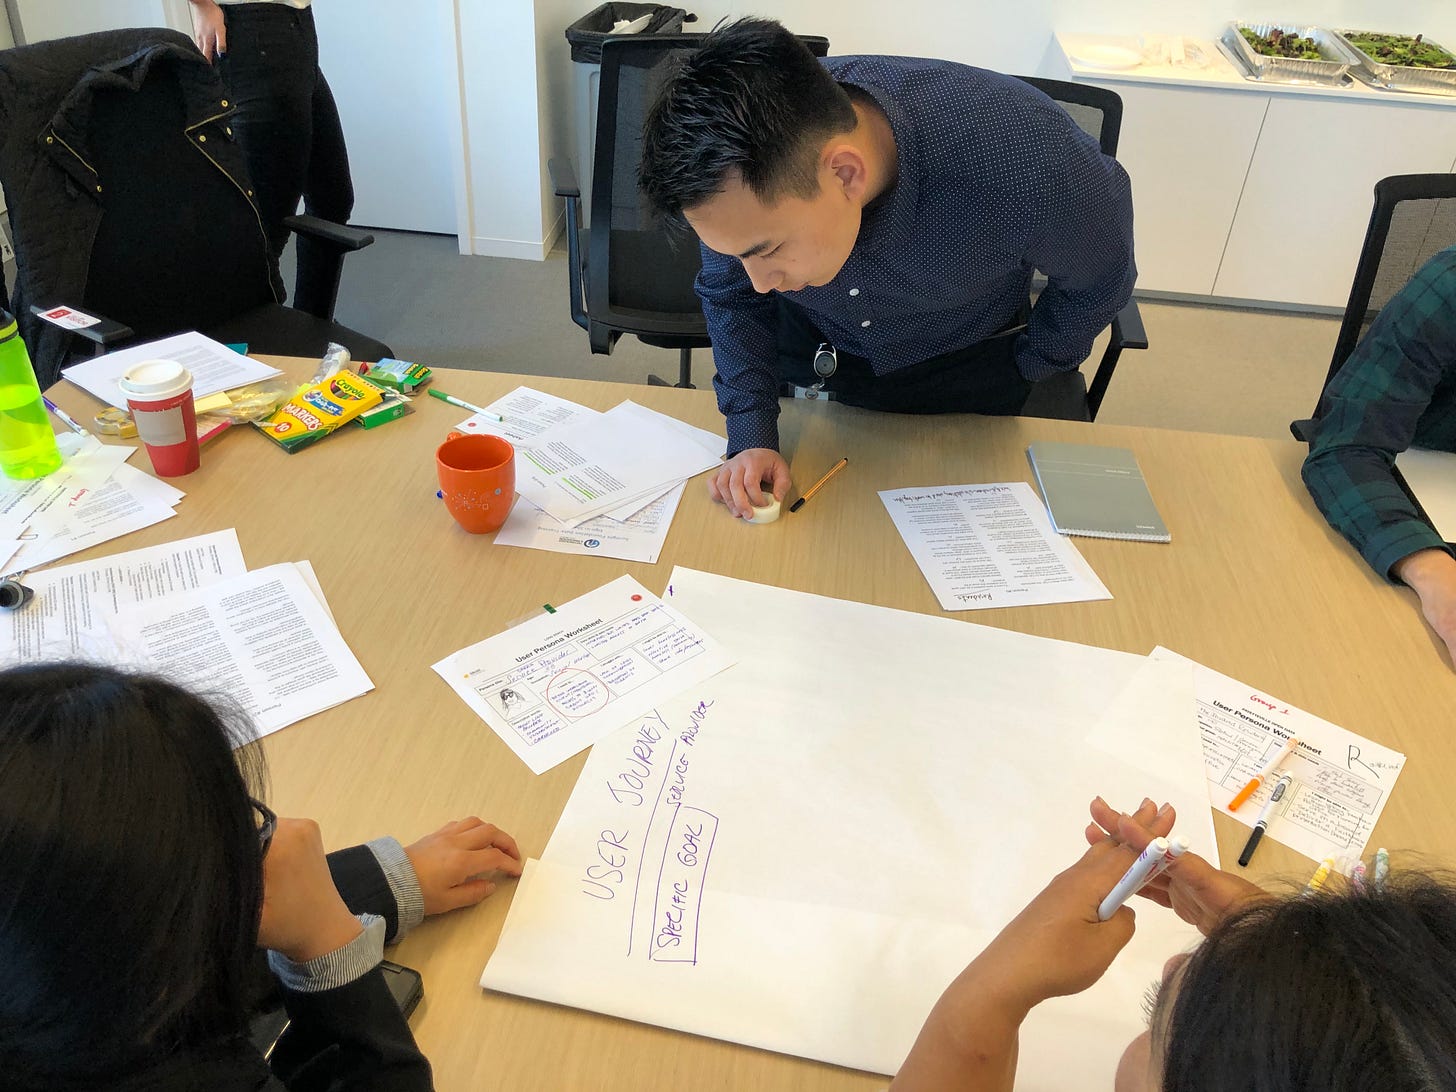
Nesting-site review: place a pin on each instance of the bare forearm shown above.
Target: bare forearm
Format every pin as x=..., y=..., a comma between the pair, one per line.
x=969, y=1041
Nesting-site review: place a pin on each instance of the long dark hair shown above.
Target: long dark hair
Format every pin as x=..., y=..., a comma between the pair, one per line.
x=751, y=100
x=1341, y=992
x=130, y=872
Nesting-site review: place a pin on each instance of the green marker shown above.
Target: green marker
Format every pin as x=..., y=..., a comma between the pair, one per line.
x=435, y=392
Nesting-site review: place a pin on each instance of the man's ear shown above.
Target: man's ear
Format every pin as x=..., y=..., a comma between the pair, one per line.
x=847, y=163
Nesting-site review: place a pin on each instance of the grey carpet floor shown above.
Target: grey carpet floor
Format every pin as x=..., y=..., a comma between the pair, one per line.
x=1208, y=369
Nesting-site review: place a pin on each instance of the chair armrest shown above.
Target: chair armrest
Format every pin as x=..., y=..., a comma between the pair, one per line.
x=563, y=178
x=339, y=235
x=1127, y=327
x=563, y=182
x=104, y=333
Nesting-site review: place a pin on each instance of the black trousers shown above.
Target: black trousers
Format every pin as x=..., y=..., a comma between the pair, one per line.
x=288, y=126
x=980, y=378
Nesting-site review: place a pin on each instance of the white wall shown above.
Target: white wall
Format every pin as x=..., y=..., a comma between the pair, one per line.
x=41, y=20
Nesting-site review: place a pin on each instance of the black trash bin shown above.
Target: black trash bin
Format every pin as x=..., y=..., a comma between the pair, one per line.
x=587, y=33
x=586, y=36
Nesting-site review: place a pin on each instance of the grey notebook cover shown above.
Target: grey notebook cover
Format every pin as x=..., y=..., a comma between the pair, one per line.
x=1096, y=491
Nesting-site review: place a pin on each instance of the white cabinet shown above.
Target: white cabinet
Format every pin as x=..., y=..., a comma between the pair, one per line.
x=1306, y=202
x=1246, y=191
x=1187, y=151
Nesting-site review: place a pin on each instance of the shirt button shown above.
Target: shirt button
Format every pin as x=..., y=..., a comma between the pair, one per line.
x=866, y=322
x=854, y=291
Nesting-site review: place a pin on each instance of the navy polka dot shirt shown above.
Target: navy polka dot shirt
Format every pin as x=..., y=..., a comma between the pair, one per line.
x=995, y=180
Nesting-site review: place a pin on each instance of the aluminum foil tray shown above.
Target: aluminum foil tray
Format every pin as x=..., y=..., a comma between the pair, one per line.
x=1396, y=77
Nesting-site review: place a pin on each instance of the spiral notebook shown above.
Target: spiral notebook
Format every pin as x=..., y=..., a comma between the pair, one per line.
x=1096, y=491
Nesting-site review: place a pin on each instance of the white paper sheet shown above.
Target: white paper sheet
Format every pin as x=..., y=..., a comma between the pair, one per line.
x=1431, y=476
x=8, y=549
x=213, y=365
x=67, y=617
x=990, y=545
x=527, y=413
x=800, y=853
x=261, y=639
x=591, y=466
x=638, y=538
x=128, y=501
x=556, y=684
x=1342, y=781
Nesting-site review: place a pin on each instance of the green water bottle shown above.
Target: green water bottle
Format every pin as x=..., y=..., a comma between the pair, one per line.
x=27, y=441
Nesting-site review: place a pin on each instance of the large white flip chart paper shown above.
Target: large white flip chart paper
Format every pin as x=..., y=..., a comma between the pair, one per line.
x=801, y=852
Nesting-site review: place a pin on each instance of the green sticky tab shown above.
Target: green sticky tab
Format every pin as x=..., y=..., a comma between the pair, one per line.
x=239, y=347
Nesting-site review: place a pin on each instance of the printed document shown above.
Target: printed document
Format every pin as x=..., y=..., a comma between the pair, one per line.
x=721, y=866
x=1342, y=781
x=592, y=466
x=76, y=520
x=263, y=639
x=526, y=413
x=67, y=617
x=213, y=365
x=990, y=546
x=638, y=537
x=556, y=684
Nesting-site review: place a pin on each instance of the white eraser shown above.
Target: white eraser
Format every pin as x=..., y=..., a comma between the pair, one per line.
x=767, y=514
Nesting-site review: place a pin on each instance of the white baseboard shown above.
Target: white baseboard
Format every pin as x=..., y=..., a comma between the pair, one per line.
x=486, y=247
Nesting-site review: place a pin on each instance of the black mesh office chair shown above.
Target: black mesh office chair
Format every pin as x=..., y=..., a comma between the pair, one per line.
x=1413, y=219
x=629, y=272
x=1098, y=113
x=178, y=244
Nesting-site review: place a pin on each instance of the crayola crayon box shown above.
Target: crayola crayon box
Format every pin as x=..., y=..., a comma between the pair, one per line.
x=317, y=410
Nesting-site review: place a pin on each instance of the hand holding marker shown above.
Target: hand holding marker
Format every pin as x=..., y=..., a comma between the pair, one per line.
x=1156, y=859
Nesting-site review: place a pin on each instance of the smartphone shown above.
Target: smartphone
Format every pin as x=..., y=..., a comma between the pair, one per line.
x=269, y=1021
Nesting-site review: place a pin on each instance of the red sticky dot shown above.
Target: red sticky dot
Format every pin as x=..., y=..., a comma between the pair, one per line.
x=636, y=599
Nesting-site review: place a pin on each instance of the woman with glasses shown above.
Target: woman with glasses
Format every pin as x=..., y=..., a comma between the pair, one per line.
x=139, y=876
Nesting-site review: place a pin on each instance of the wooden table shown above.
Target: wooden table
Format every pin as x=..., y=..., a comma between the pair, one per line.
x=1254, y=585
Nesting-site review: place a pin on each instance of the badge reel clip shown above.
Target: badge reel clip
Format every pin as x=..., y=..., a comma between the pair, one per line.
x=826, y=363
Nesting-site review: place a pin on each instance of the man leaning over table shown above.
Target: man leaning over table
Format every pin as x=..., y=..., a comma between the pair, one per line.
x=895, y=208
x=1397, y=390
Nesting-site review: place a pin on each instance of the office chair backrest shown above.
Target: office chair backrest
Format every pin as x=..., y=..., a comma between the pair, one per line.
x=1096, y=110
x=179, y=246
x=641, y=269
x=1414, y=217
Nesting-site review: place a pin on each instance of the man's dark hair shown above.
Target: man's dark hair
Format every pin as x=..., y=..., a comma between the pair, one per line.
x=131, y=874
x=1347, y=991
x=752, y=100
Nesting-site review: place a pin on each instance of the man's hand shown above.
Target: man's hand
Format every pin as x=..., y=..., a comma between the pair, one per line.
x=303, y=915
x=739, y=482
x=452, y=863
x=209, y=30
x=1432, y=575
x=1191, y=887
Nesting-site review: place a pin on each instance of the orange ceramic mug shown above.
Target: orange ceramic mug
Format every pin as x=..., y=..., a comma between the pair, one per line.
x=477, y=480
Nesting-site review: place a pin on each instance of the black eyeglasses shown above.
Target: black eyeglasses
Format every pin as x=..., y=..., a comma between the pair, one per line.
x=267, y=824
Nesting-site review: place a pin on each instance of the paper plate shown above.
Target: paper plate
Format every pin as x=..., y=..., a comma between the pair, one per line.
x=1110, y=58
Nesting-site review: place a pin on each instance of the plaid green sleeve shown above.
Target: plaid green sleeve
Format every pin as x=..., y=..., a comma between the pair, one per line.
x=1372, y=410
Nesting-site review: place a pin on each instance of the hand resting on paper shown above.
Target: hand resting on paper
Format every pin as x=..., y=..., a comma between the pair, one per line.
x=1192, y=888
x=738, y=484
x=453, y=863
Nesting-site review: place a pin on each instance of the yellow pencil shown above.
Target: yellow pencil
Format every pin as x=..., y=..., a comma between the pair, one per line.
x=833, y=470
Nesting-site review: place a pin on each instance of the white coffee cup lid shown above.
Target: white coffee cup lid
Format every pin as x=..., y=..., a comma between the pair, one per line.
x=155, y=379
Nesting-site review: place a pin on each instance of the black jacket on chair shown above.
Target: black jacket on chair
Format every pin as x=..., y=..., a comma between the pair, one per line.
x=57, y=200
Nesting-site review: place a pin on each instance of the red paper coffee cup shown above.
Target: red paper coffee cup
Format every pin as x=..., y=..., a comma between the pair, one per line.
x=159, y=395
